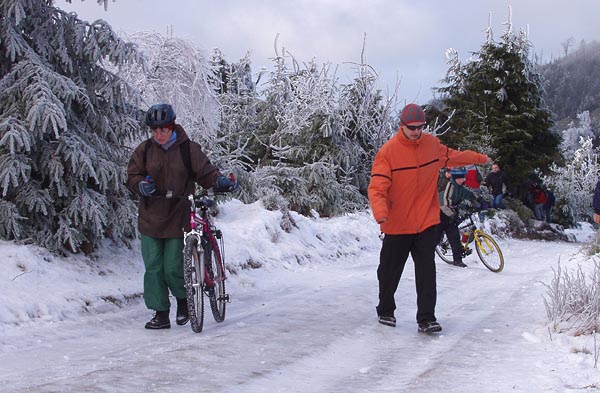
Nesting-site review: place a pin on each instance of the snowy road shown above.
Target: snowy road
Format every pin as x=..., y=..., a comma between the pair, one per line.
x=313, y=329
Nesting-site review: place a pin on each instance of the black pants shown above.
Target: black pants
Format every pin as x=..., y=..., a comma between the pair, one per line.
x=453, y=235
x=394, y=254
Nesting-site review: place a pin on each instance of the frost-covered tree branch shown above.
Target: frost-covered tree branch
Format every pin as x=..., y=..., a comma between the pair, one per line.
x=65, y=119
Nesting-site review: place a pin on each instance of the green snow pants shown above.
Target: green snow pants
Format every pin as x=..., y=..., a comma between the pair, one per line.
x=163, y=259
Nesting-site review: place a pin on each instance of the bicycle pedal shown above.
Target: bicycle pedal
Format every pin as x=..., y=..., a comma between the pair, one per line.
x=224, y=298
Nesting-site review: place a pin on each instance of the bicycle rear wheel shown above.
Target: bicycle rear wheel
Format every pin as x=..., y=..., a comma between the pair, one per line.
x=489, y=252
x=216, y=293
x=192, y=280
x=443, y=249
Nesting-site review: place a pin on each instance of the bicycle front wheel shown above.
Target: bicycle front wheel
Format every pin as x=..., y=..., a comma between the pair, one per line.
x=489, y=252
x=215, y=292
x=443, y=249
x=193, y=279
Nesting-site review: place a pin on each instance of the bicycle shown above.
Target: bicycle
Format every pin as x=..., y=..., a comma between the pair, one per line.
x=487, y=248
x=204, y=264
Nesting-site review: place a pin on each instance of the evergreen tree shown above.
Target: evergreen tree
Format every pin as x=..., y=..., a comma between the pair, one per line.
x=497, y=96
x=64, y=122
x=178, y=73
x=571, y=137
x=294, y=139
x=366, y=123
x=574, y=183
x=296, y=146
x=238, y=122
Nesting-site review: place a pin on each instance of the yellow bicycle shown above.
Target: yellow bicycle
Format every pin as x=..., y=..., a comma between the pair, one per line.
x=487, y=248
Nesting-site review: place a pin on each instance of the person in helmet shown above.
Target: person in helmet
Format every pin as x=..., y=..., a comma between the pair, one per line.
x=451, y=197
x=404, y=199
x=167, y=161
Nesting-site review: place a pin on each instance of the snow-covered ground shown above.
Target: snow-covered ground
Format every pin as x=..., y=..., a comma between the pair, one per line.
x=302, y=319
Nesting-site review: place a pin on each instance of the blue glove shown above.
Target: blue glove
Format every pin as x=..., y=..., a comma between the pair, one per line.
x=227, y=184
x=147, y=187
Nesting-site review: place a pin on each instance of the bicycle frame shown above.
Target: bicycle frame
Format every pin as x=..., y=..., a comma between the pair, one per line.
x=480, y=240
x=202, y=229
x=487, y=248
x=475, y=234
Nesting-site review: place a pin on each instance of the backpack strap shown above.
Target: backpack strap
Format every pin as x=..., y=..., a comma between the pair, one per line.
x=184, y=149
x=145, y=154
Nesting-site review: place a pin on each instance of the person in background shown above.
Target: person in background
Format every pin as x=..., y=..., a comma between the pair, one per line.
x=405, y=202
x=596, y=203
x=454, y=195
x=473, y=179
x=550, y=201
x=495, y=182
x=156, y=166
x=538, y=196
x=444, y=179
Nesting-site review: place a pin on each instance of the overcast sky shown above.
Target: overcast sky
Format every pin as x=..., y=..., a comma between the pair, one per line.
x=405, y=40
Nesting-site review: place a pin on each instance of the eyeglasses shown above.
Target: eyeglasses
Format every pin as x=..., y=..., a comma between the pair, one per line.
x=160, y=130
x=415, y=128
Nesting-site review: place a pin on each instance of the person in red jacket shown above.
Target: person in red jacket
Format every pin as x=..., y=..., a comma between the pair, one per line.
x=404, y=199
x=539, y=200
x=473, y=179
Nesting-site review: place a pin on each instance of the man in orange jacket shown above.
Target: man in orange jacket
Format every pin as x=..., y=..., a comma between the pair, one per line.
x=404, y=198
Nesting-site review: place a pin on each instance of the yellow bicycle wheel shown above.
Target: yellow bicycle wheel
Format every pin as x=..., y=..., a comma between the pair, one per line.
x=489, y=252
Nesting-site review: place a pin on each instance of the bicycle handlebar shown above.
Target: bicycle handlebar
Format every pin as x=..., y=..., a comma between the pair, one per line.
x=202, y=199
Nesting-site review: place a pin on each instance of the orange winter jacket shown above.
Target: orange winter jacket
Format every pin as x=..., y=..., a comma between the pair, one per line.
x=404, y=177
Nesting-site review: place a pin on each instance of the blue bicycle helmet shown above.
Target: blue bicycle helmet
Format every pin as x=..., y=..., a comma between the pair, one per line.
x=458, y=172
x=160, y=115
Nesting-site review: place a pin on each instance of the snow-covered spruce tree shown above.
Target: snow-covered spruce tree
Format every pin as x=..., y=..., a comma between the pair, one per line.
x=498, y=93
x=295, y=140
x=177, y=73
x=575, y=182
x=366, y=123
x=571, y=137
x=238, y=122
x=456, y=131
x=64, y=121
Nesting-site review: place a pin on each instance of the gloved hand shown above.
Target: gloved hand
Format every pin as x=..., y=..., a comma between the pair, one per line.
x=450, y=218
x=147, y=187
x=453, y=219
x=227, y=183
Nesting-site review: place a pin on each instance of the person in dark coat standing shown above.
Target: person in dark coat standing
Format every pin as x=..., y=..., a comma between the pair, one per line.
x=495, y=182
x=550, y=201
x=155, y=167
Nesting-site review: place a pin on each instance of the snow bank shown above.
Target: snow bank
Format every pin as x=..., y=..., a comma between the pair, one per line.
x=38, y=286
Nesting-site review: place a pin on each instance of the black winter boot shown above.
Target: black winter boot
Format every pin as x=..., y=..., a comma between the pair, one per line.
x=159, y=321
x=182, y=312
x=429, y=327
